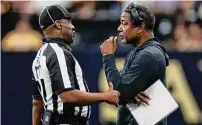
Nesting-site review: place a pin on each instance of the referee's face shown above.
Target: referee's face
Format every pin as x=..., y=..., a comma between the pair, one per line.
x=68, y=30
x=127, y=32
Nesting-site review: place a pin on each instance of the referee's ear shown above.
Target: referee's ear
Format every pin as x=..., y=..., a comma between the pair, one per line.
x=57, y=24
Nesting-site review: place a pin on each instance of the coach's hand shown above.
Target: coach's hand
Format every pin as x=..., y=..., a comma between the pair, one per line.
x=141, y=97
x=109, y=46
x=112, y=96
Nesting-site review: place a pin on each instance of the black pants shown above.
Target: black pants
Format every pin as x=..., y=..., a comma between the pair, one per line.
x=70, y=121
x=50, y=118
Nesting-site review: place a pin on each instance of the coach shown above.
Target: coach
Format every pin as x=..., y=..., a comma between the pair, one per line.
x=145, y=64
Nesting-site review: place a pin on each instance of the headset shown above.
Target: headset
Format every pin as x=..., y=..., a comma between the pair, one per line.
x=134, y=14
x=73, y=29
x=54, y=21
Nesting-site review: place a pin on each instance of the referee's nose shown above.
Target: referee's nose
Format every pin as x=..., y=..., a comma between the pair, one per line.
x=73, y=27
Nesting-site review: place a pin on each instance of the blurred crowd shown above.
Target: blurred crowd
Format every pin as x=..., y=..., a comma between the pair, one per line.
x=178, y=23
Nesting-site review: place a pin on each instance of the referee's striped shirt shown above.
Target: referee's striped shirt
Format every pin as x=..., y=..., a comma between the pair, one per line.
x=56, y=70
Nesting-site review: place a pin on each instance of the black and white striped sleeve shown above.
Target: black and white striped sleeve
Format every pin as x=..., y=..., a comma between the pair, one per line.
x=35, y=92
x=60, y=74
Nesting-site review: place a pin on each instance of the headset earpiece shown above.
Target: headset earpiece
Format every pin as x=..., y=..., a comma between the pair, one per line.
x=134, y=15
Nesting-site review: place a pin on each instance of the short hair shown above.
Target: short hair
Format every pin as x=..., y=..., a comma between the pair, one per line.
x=145, y=14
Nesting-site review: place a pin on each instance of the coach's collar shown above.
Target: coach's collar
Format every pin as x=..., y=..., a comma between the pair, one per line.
x=58, y=41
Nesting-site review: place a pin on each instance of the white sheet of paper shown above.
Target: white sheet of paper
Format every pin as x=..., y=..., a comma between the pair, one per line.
x=161, y=105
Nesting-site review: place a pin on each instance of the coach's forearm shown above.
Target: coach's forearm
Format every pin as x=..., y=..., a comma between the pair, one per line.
x=111, y=71
x=82, y=98
x=113, y=76
x=37, y=110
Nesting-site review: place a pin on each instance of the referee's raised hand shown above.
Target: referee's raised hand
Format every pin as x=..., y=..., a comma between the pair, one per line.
x=112, y=96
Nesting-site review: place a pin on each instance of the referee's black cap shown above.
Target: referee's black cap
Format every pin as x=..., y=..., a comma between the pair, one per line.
x=52, y=13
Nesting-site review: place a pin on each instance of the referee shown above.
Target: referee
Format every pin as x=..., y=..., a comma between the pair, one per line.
x=60, y=92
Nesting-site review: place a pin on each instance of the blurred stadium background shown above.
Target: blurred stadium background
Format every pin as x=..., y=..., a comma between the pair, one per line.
x=178, y=26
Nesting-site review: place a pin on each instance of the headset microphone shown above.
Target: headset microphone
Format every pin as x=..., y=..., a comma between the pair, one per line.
x=67, y=27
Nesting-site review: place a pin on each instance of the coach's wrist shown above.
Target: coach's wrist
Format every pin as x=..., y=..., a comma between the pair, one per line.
x=106, y=54
x=109, y=57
